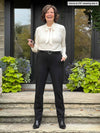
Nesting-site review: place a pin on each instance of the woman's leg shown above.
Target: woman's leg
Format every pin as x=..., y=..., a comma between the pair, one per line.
x=57, y=71
x=42, y=73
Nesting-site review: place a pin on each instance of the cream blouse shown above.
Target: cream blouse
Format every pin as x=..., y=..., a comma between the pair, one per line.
x=50, y=38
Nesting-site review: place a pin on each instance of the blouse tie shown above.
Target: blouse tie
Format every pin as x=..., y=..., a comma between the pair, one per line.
x=49, y=35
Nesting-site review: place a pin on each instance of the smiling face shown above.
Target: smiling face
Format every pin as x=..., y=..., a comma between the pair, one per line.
x=49, y=15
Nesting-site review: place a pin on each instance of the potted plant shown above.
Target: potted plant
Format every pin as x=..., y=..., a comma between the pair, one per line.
x=85, y=75
x=14, y=73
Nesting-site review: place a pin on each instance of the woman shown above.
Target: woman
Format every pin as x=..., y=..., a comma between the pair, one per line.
x=51, y=54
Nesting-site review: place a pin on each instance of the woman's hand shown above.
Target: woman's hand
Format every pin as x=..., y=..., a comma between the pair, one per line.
x=31, y=43
x=63, y=59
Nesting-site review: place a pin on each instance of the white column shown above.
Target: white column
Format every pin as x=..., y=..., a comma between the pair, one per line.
x=0, y=81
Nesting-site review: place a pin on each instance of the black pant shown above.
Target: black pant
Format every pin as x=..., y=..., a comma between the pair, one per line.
x=49, y=62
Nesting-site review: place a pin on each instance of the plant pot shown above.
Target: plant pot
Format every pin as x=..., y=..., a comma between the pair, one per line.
x=80, y=89
x=0, y=81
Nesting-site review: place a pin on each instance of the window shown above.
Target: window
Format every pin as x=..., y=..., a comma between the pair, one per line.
x=82, y=35
x=22, y=31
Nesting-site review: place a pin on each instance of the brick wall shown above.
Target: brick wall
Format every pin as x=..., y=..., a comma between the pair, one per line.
x=1, y=28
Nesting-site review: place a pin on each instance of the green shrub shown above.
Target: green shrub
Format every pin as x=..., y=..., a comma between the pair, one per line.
x=12, y=75
x=86, y=75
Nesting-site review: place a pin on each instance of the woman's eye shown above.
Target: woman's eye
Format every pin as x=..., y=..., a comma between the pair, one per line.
x=49, y=12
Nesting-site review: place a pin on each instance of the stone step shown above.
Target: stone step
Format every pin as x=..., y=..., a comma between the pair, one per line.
x=49, y=106
x=69, y=97
x=49, y=128
x=71, y=116
x=72, y=100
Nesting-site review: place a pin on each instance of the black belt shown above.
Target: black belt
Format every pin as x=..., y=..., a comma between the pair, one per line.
x=50, y=52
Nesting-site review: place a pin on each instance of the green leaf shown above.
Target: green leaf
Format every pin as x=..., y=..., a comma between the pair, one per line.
x=86, y=90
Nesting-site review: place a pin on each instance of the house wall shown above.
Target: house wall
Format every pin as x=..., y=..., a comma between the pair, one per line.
x=1, y=28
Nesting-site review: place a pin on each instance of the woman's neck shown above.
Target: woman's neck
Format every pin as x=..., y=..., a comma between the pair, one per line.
x=49, y=24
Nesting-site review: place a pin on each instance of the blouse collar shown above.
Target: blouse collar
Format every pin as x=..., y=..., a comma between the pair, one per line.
x=52, y=27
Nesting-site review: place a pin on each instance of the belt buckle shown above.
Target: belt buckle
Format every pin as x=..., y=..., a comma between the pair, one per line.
x=49, y=52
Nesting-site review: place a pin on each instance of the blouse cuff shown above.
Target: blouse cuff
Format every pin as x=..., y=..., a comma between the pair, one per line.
x=34, y=49
x=65, y=56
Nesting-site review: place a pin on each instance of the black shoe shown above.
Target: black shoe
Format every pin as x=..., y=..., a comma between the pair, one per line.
x=36, y=124
x=62, y=124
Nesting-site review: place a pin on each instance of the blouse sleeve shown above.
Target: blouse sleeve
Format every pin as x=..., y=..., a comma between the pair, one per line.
x=35, y=48
x=64, y=44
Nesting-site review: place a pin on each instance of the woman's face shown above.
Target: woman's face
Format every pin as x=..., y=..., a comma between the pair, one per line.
x=49, y=16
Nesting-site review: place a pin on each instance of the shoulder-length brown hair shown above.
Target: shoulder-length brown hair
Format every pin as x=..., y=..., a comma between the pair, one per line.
x=44, y=11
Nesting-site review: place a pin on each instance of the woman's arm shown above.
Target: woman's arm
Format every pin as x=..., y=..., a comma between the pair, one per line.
x=32, y=44
x=64, y=56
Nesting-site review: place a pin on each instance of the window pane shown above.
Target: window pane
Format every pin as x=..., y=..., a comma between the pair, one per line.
x=22, y=27
x=82, y=35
